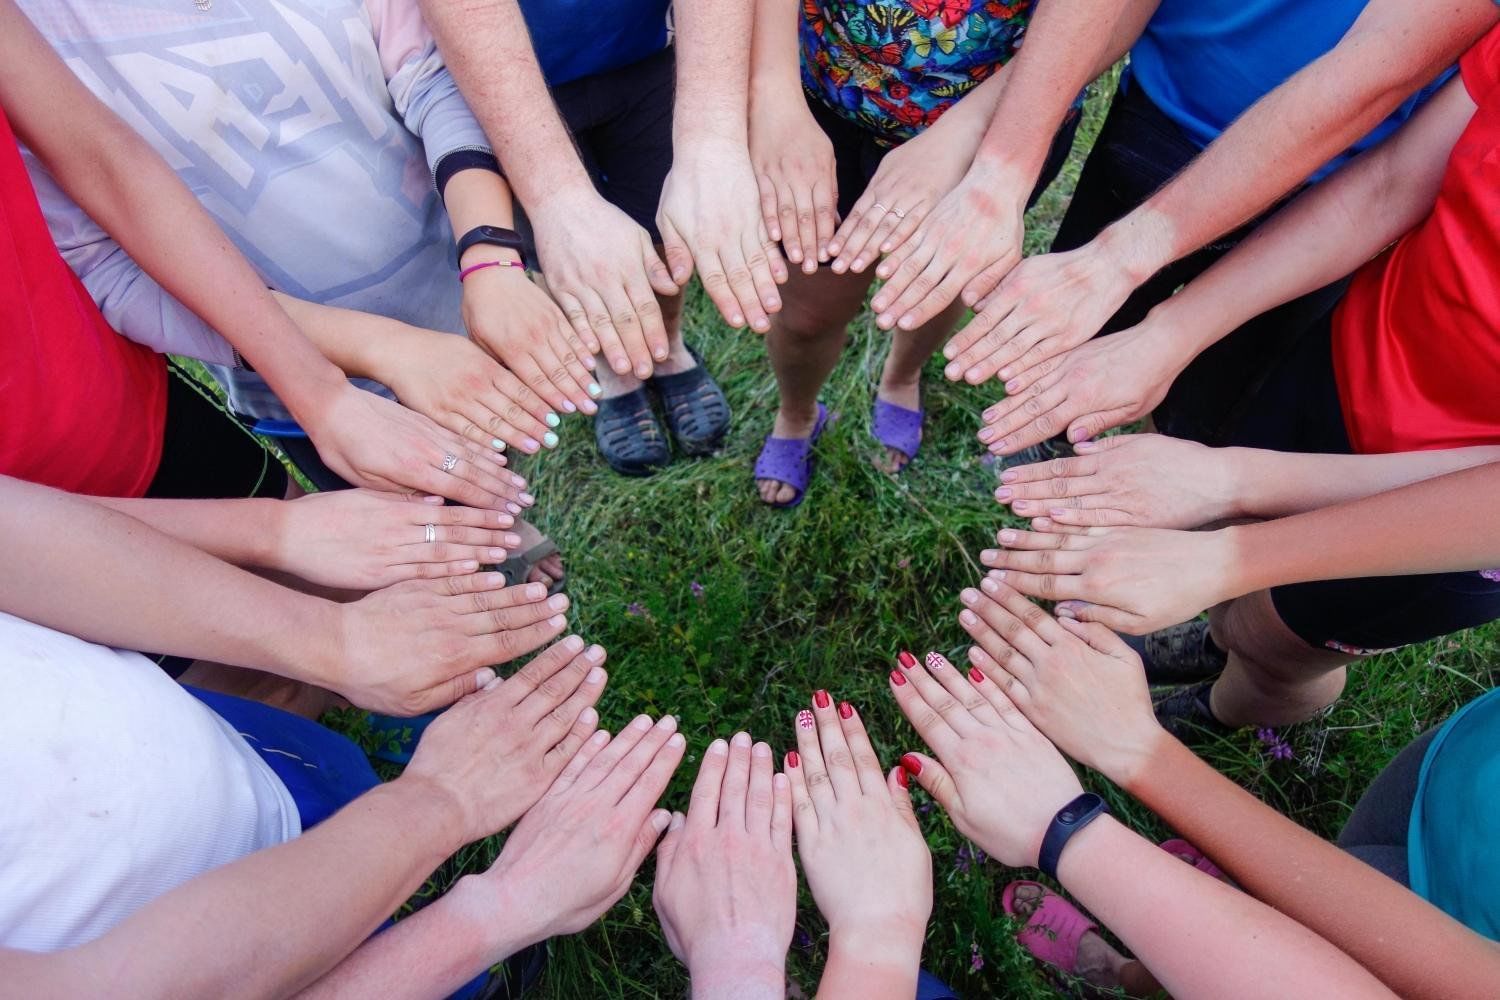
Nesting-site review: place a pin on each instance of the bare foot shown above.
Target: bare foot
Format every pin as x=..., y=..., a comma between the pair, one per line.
x=788, y=424
x=907, y=395
x=546, y=571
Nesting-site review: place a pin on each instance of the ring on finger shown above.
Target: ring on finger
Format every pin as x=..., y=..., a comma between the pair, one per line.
x=429, y=533
x=881, y=207
x=898, y=213
x=450, y=462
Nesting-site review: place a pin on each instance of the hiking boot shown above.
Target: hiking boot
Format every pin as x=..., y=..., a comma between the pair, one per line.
x=1181, y=654
x=1184, y=712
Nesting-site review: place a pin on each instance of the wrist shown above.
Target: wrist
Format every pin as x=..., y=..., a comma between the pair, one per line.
x=489, y=923
x=1003, y=185
x=1137, y=245
x=731, y=968
x=1237, y=563
x=1132, y=760
x=890, y=940
x=1090, y=847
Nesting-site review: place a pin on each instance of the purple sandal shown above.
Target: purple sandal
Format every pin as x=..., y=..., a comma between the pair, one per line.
x=898, y=428
x=789, y=460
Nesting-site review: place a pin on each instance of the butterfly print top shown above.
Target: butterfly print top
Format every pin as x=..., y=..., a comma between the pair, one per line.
x=894, y=66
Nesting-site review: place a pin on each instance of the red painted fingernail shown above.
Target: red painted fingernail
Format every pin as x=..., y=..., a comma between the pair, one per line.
x=846, y=710
x=793, y=758
x=976, y=675
x=898, y=678
x=821, y=699
x=901, y=778
x=911, y=764
x=907, y=660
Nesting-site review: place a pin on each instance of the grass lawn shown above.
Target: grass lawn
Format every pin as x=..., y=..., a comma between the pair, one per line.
x=824, y=596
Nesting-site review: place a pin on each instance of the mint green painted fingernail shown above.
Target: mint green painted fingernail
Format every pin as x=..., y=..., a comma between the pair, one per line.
x=594, y=389
x=553, y=420
x=549, y=439
x=497, y=444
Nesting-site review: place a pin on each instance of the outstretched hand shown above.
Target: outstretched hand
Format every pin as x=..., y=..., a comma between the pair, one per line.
x=793, y=161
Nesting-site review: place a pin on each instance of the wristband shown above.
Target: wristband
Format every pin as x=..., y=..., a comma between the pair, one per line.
x=489, y=263
x=1069, y=820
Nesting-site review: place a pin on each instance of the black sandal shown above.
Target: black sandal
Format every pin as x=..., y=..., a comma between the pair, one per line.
x=695, y=408
x=629, y=436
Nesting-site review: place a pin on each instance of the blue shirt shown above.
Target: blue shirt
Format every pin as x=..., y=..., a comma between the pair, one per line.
x=1205, y=62
x=578, y=38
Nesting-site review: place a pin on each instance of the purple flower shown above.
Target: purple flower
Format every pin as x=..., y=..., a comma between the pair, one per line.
x=1267, y=736
x=635, y=610
x=905, y=562
x=968, y=857
x=802, y=941
x=1491, y=574
x=976, y=960
x=697, y=589
x=1282, y=751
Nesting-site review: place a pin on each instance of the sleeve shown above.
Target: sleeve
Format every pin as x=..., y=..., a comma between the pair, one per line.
x=1480, y=66
x=424, y=93
x=131, y=301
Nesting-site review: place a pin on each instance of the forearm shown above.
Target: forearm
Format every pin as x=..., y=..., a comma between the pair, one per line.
x=775, y=60
x=130, y=586
x=488, y=50
x=713, y=79
x=269, y=923
x=1355, y=539
x=1375, y=920
x=1198, y=936
x=240, y=532
x=739, y=977
x=360, y=344
x=871, y=966
x=1271, y=484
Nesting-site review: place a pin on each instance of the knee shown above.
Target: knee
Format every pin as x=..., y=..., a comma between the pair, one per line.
x=805, y=325
x=1253, y=634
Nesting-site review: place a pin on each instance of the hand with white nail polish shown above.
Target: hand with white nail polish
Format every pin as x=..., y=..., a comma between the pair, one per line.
x=416, y=647
x=496, y=751
x=726, y=887
x=999, y=779
x=853, y=819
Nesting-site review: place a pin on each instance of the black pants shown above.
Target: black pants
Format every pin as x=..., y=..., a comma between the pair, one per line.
x=206, y=454
x=1140, y=149
x=1376, y=830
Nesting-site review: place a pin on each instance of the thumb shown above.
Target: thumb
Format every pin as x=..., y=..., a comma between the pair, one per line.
x=646, y=838
x=1091, y=425
x=1112, y=618
x=934, y=778
x=468, y=685
x=1099, y=638
x=1103, y=444
x=656, y=271
x=666, y=851
x=896, y=782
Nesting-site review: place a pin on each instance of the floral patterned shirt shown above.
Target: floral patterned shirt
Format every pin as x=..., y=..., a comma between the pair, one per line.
x=894, y=66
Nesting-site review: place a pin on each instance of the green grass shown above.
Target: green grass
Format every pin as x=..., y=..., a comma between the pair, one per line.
x=824, y=597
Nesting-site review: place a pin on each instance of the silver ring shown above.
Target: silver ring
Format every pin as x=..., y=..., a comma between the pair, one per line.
x=429, y=534
x=882, y=208
x=898, y=213
x=450, y=462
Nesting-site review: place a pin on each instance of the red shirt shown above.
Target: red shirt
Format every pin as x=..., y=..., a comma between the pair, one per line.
x=81, y=408
x=1416, y=341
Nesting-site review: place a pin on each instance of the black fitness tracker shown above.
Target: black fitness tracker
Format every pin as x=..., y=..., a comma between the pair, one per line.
x=1069, y=820
x=507, y=239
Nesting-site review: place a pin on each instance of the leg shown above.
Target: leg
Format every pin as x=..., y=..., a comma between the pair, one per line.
x=804, y=343
x=901, y=377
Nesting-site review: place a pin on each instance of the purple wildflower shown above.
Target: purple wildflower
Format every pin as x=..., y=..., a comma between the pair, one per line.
x=968, y=857
x=635, y=610
x=1282, y=751
x=802, y=941
x=1267, y=736
x=976, y=960
x=1491, y=574
x=697, y=589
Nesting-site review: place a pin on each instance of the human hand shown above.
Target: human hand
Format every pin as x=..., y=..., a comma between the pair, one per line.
x=710, y=218
x=1134, y=580
x=577, y=850
x=726, y=887
x=1102, y=384
x=495, y=752
x=852, y=820
x=970, y=241
x=1077, y=682
x=605, y=274
x=377, y=443
x=1048, y=305
x=999, y=779
x=415, y=647
x=1142, y=480
x=910, y=182
x=520, y=326
x=364, y=540
x=793, y=161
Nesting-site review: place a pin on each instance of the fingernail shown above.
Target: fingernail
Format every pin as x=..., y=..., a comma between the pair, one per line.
x=661, y=820
x=557, y=621
x=988, y=556
x=1007, y=536
x=595, y=390
x=549, y=439
x=736, y=320
x=512, y=541
x=805, y=719
x=595, y=653
x=1085, y=446
x=535, y=591
x=969, y=618
x=1021, y=505
x=761, y=750
x=821, y=699
x=937, y=661
x=675, y=740
x=595, y=676
x=568, y=406
x=1059, y=512
x=1009, y=476
x=793, y=759
x=600, y=738
x=559, y=602
x=495, y=555
x=898, y=678
x=1065, y=611
x=497, y=444
x=530, y=444
x=976, y=675
x=911, y=764
x=572, y=644
x=968, y=595
x=553, y=420
x=740, y=740
x=514, y=508
x=527, y=499
x=1003, y=493
x=1014, y=385
x=902, y=779
x=484, y=677
x=588, y=716
x=469, y=565
x=718, y=747
x=667, y=722
x=906, y=659
x=1077, y=434
x=846, y=710
x=988, y=585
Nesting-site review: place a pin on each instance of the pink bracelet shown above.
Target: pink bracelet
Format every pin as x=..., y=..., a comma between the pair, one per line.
x=489, y=263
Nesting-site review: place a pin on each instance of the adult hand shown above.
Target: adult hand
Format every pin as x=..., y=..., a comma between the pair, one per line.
x=710, y=218
x=999, y=779
x=1142, y=480
x=726, y=887
x=1091, y=389
x=419, y=646
x=793, y=161
x=364, y=540
x=1077, y=682
x=1045, y=307
x=854, y=820
x=970, y=241
x=909, y=183
x=513, y=319
x=377, y=443
x=497, y=750
x=577, y=850
x=1134, y=580
x=605, y=274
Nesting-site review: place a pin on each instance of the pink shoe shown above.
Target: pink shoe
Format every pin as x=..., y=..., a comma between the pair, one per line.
x=1053, y=930
x=1194, y=857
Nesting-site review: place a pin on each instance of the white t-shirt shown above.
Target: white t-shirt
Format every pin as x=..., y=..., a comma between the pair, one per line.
x=116, y=786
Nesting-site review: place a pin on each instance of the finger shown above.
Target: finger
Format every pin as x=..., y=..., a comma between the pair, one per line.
x=786, y=222
x=580, y=760
x=578, y=355
x=655, y=824
x=648, y=313
x=535, y=368
x=679, y=258
x=1094, y=517
x=1035, y=355
x=577, y=318
x=970, y=343
x=825, y=214
x=565, y=373
x=1111, y=618
x=909, y=277
x=558, y=697
x=781, y=813
x=603, y=764
x=852, y=237
x=584, y=726
x=1048, y=526
x=1039, y=415
x=897, y=783
x=657, y=274
x=1099, y=639
x=632, y=335
x=1012, y=623
x=904, y=228
x=515, y=616
x=441, y=570
x=935, y=730
x=716, y=285
x=616, y=351
x=502, y=647
x=835, y=749
x=434, y=511
x=767, y=271
x=449, y=689
x=866, y=764
x=986, y=281
x=491, y=589
x=1014, y=400
x=916, y=309
x=933, y=777
x=513, y=404
x=1035, y=618
x=804, y=813
x=769, y=206
x=736, y=783
x=1005, y=672
x=1044, y=586
x=879, y=236
x=960, y=685
x=629, y=770
x=416, y=548
x=648, y=784
x=758, y=801
x=924, y=680
x=807, y=231
x=1017, y=540
x=703, y=807
x=1060, y=477
x=814, y=768
x=666, y=851
x=1091, y=425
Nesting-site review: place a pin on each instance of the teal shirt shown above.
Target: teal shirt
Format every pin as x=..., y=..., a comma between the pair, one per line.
x=1453, y=844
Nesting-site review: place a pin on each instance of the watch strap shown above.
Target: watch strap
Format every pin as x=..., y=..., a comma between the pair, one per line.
x=507, y=239
x=1069, y=820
